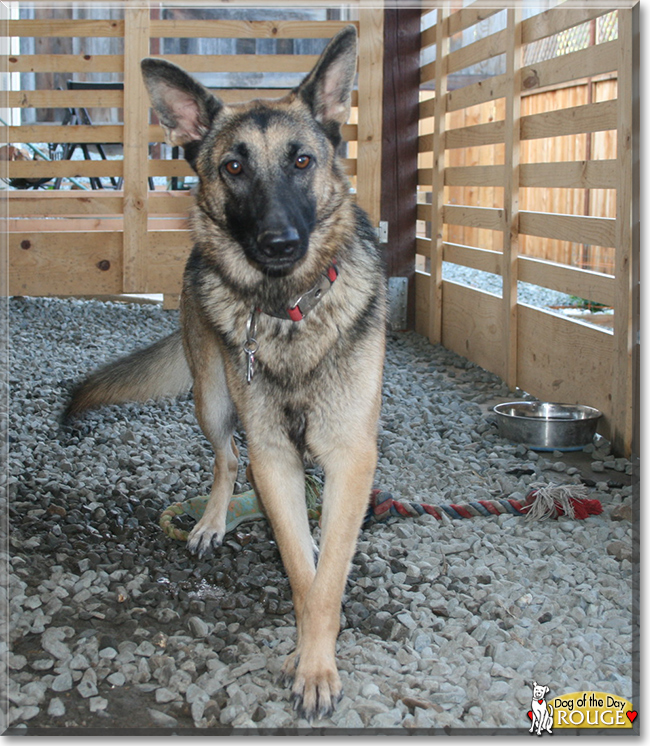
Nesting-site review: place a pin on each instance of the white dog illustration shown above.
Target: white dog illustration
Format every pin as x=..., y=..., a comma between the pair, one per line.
x=542, y=712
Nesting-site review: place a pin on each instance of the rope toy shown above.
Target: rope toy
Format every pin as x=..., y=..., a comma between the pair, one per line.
x=543, y=501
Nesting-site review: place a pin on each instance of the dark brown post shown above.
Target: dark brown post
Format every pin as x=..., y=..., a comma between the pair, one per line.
x=399, y=143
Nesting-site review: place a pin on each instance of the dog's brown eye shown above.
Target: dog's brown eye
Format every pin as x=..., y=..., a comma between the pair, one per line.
x=234, y=168
x=302, y=161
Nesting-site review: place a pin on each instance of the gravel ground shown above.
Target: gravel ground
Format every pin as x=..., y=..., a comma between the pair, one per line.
x=113, y=625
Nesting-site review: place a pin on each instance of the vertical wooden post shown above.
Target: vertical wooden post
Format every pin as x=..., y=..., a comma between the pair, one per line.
x=400, y=144
x=438, y=178
x=511, y=195
x=136, y=120
x=627, y=229
x=371, y=57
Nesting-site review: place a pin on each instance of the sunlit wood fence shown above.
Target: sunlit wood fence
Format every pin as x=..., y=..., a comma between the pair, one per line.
x=495, y=162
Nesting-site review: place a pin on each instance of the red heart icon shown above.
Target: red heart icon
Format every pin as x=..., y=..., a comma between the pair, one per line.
x=540, y=701
x=530, y=714
x=631, y=715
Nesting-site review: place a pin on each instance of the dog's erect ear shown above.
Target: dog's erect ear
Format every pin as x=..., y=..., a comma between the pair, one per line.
x=327, y=88
x=185, y=108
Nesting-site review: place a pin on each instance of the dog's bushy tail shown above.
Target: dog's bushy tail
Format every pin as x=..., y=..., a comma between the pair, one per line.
x=150, y=373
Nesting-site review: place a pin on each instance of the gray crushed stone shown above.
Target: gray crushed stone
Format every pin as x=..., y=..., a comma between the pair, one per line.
x=444, y=623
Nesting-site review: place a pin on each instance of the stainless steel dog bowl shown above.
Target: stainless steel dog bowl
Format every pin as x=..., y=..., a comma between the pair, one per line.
x=545, y=426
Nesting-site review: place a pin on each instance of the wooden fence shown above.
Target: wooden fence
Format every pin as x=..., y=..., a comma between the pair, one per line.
x=542, y=353
x=134, y=240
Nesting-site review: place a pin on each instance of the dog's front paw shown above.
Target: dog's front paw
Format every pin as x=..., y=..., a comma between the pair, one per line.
x=316, y=690
x=204, y=538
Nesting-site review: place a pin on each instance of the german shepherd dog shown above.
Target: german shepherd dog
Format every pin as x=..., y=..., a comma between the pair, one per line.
x=283, y=326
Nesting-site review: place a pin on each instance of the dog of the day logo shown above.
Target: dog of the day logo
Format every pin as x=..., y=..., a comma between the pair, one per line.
x=578, y=710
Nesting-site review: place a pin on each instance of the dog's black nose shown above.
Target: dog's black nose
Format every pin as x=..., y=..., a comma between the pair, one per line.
x=276, y=244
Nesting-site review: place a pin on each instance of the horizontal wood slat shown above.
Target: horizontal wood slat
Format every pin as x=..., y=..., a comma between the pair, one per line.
x=478, y=51
x=468, y=256
x=232, y=63
x=62, y=263
x=79, y=133
x=240, y=29
x=491, y=218
x=54, y=169
x=571, y=280
x=475, y=176
x=470, y=16
x=79, y=28
x=491, y=133
x=64, y=203
x=63, y=63
x=62, y=99
x=577, y=228
x=477, y=93
x=575, y=120
x=558, y=19
x=569, y=175
x=563, y=360
x=589, y=62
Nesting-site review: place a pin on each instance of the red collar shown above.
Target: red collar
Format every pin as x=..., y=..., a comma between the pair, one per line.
x=304, y=304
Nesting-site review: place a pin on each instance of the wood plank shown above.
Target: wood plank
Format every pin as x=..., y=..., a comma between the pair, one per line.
x=427, y=108
x=625, y=405
x=483, y=49
x=371, y=86
x=569, y=175
x=589, y=62
x=177, y=167
x=136, y=156
x=401, y=60
x=514, y=63
x=425, y=143
x=422, y=303
x=273, y=63
x=54, y=169
x=78, y=27
x=348, y=131
x=477, y=336
x=491, y=218
x=474, y=176
x=63, y=63
x=65, y=263
x=63, y=203
x=76, y=224
x=477, y=93
x=167, y=253
x=565, y=361
x=470, y=15
x=574, y=120
x=437, y=209
x=63, y=99
x=582, y=283
x=423, y=246
x=79, y=133
x=170, y=203
x=578, y=228
x=559, y=19
x=491, y=133
x=241, y=29
x=469, y=256
x=425, y=177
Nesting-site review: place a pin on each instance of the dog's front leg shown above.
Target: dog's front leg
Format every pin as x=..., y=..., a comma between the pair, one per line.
x=279, y=477
x=348, y=480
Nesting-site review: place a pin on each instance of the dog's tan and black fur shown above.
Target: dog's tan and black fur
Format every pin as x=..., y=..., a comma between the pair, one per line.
x=273, y=215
